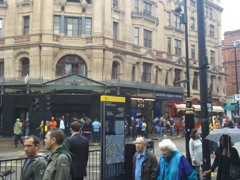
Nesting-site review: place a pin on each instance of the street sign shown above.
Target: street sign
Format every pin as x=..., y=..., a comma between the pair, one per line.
x=237, y=97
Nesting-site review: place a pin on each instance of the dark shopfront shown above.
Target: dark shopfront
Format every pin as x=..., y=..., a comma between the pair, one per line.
x=73, y=96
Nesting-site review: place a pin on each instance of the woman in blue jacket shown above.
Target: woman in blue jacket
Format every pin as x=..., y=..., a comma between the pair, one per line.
x=172, y=164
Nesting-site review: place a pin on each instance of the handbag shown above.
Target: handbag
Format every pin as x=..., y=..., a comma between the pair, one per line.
x=234, y=171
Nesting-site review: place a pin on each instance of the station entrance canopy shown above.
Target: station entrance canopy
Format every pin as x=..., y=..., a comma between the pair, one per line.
x=182, y=107
x=78, y=84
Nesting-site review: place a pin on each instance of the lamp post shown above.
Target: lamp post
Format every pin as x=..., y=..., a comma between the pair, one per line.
x=189, y=115
x=236, y=71
x=203, y=64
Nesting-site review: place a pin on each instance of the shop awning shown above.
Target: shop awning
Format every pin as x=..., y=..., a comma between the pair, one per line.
x=197, y=107
x=218, y=109
x=180, y=107
x=229, y=106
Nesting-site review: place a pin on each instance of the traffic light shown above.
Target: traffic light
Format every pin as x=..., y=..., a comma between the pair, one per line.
x=35, y=105
x=209, y=95
x=48, y=103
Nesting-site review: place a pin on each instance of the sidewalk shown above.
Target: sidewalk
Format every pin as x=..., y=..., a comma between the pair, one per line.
x=8, y=150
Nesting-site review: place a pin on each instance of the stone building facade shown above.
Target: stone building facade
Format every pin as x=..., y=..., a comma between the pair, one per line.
x=138, y=43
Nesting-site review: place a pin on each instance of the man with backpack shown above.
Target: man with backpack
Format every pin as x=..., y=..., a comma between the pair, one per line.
x=35, y=164
x=59, y=162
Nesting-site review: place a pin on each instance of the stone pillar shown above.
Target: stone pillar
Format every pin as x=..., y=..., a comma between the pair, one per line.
x=9, y=63
x=47, y=68
x=97, y=64
x=98, y=7
x=107, y=65
x=47, y=21
x=35, y=66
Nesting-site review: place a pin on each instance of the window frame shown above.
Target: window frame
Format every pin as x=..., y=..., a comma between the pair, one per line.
x=136, y=36
x=168, y=18
x=178, y=47
x=115, y=30
x=146, y=75
x=147, y=8
x=169, y=45
x=147, y=38
x=193, y=51
x=26, y=25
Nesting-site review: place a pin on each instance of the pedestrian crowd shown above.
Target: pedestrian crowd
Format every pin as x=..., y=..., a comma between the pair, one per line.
x=69, y=156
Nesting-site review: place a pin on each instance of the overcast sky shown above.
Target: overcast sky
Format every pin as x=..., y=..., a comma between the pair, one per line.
x=230, y=15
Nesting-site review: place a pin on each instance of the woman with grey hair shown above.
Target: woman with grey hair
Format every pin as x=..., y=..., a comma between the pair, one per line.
x=172, y=164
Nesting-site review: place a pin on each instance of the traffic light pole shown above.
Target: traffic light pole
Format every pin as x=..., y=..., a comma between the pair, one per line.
x=203, y=64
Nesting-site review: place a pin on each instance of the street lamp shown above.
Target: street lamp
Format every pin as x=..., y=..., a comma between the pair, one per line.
x=189, y=115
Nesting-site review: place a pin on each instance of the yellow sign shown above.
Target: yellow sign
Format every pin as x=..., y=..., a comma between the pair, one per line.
x=113, y=99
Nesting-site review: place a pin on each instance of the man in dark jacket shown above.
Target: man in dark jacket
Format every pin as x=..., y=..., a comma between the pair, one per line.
x=79, y=146
x=145, y=164
x=35, y=164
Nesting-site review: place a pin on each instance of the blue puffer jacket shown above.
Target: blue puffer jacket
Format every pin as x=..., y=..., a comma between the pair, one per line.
x=175, y=167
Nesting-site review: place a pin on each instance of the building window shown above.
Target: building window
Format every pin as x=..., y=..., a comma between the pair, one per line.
x=192, y=24
x=206, y=11
x=168, y=19
x=73, y=1
x=177, y=46
x=147, y=38
x=25, y=67
x=169, y=46
x=147, y=9
x=136, y=5
x=56, y=25
x=193, y=56
x=115, y=3
x=26, y=25
x=88, y=26
x=133, y=73
x=115, y=30
x=1, y=69
x=71, y=64
x=115, y=70
x=1, y=22
x=177, y=77
x=212, y=57
x=211, y=31
x=195, y=81
x=210, y=12
x=192, y=3
x=156, y=77
x=136, y=36
x=166, y=79
x=146, y=76
x=177, y=21
x=72, y=26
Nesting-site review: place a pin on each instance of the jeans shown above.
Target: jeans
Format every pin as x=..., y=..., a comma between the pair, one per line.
x=172, y=131
x=159, y=130
x=95, y=136
x=16, y=138
x=197, y=169
x=133, y=132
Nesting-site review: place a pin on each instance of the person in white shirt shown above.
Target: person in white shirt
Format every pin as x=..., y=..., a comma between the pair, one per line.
x=195, y=150
x=62, y=125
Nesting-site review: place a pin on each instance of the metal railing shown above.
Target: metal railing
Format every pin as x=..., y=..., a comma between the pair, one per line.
x=16, y=164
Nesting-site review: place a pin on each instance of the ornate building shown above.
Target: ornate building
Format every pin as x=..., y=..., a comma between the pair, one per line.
x=134, y=48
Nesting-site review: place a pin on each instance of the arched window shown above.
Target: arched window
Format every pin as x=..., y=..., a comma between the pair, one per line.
x=115, y=70
x=71, y=64
x=25, y=67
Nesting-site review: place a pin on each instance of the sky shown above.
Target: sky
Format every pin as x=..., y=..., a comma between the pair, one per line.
x=230, y=15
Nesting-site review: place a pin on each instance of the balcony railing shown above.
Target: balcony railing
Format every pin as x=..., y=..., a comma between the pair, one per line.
x=145, y=15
